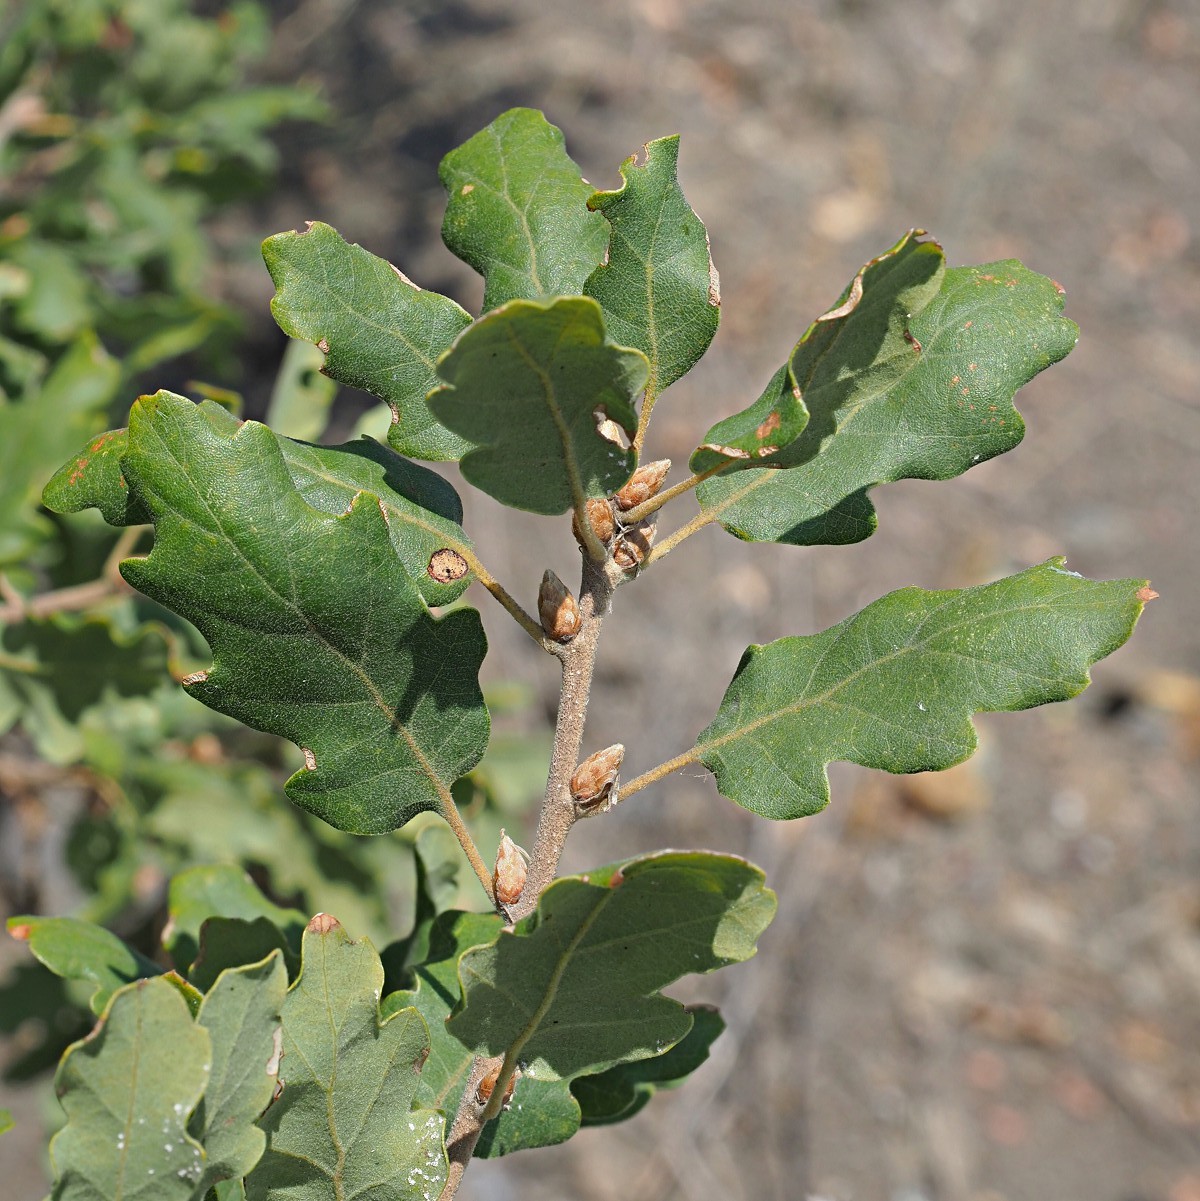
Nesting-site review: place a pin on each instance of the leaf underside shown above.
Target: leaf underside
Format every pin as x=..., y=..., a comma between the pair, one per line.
x=524, y=384
x=349, y=666
x=345, y=1123
x=128, y=1089
x=911, y=376
x=894, y=686
x=517, y=211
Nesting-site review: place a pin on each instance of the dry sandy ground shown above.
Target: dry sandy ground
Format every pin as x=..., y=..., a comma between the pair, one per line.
x=982, y=986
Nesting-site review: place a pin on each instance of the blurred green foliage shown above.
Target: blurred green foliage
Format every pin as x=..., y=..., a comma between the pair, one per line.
x=126, y=126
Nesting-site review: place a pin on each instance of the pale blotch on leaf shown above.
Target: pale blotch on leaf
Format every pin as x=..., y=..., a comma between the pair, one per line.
x=447, y=565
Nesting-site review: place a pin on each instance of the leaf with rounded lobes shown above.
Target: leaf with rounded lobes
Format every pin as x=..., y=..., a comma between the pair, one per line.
x=625, y=1090
x=347, y=664
x=575, y=987
x=658, y=286
x=78, y=950
x=379, y=331
x=911, y=376
x=347, y=1121
x=128, y=1089
x=423, y=511
x=241, y=1014
x=234, y=942
x=757, y=434
x=219, y=890
x=517, y=211
x=542, y=1113
x=894, y=686
x=525, y=384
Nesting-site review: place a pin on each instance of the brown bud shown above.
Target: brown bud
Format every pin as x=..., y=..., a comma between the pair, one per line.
x=594, y=784
x=558, y=609
x=645, y=483
x=487, y=1086
x=509, y=877
x=634, y=545
x=600, y=518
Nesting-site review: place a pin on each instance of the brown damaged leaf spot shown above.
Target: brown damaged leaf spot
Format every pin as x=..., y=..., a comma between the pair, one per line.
x=1146, y=594
x=419, y=1062
x=404, y=278
x=21, y=933
x=323, y=923
x=467, y=189
x=908, y=337
x=197, y=677
x=310, y=760
x=714, y=280
x=276, y=1052
x=323, y=346
x=769, y=426
x=1058, y=287
x=446, y=566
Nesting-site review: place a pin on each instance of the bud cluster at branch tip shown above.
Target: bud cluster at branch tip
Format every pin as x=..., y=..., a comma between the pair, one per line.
x=595, y=783
x=558, y=609
x=600, y=518
x=487, y=1086
x=633, y=545
x=645, y=483
x=508, y=878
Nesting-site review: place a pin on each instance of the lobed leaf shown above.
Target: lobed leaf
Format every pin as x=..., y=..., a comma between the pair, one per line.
x=128, y=1089
x=542, y=1112
x=378, y=330
x=574, y=988
x=625, y=1090
x=422, y=510
x=345, y=1123
x=241, y=1014
x=220, y=890
x=230, y=943
x=894, y=686
x=349, y=665
x=757, y=434
x=517, y=211
x=658, y=287
x=525, y=384
x=77, y=950
x=911, y=376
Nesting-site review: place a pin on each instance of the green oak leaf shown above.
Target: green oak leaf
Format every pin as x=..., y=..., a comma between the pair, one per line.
x=241, y=1014
x=574, y=987
x=775, y=420
x=92, y=479
x=626, y=1089
x=541, y=1112
x=77, y=950
x=378, y=330
x=517, y=211
x=423, y=511
x=128, y=1089
x=55, y=670
x=234, y=942
x=347, y=664
x=894, y=686
x=911, y=376
x=219, y=890
x=302, y=394
x=658, y=286
x=346, y=1122
x=525, y=383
